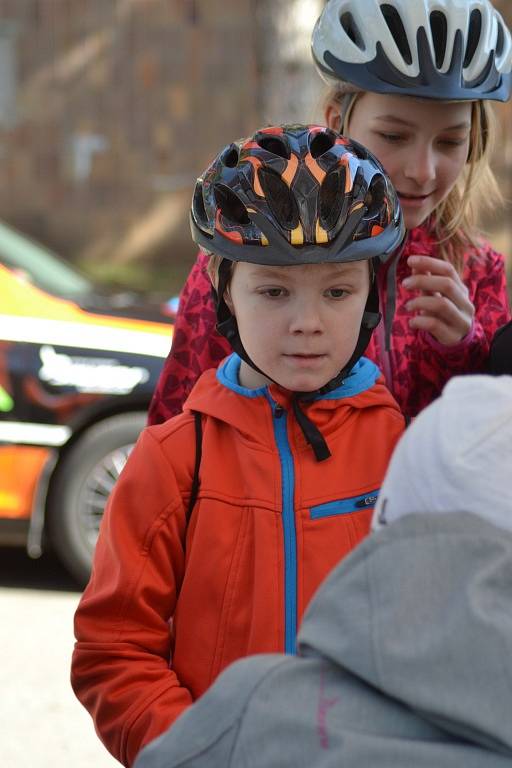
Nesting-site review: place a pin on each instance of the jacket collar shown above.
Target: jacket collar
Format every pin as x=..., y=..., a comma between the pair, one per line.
x=363, y=375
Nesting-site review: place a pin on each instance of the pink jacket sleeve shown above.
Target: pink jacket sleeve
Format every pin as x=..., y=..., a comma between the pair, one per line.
x=196, y=345
x=485, y=277
x=417, y=367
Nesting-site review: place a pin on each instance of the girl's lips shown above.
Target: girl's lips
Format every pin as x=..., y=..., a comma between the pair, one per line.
x=412, y=200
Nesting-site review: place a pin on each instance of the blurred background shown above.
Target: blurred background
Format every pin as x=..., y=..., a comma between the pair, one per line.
x=109, y=109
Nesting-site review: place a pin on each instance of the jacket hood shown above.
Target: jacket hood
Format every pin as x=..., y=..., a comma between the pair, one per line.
x=456, y=454
x=218, y=394
x=442, y=645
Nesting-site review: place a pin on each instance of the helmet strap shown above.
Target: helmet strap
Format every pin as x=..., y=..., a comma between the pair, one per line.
x=370, y=320
x=227, y=326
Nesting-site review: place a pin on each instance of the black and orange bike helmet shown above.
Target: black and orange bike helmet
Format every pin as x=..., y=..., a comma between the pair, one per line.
x=290, y=195
x=296, y=194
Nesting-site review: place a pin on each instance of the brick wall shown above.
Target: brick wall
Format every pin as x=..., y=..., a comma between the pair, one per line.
x=120, y=104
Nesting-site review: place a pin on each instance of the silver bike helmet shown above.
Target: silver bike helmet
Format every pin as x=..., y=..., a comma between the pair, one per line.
x=435, y=49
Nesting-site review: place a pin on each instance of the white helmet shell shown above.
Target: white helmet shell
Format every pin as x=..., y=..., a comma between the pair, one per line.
x=440, y=49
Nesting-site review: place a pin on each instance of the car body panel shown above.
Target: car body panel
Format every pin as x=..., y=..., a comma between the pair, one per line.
x=21, y=467
x=62, y=369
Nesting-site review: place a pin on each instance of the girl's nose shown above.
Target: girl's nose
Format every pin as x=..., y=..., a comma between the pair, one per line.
x=421, y=165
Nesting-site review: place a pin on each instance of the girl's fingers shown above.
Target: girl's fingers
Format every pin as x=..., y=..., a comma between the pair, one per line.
x=420, y=263
x=416, y=272
x=440, y=317
x=443, y=307
x=438, y=306
x=443, y=286
x=427, y=265
x=443, y=333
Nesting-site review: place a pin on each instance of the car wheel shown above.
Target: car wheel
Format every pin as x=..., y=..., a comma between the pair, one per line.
x=83, y=482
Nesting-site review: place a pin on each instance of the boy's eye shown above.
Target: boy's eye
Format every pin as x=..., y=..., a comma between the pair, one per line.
x=337, y=293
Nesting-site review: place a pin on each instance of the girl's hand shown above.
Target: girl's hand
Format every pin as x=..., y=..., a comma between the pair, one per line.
x=443, y=308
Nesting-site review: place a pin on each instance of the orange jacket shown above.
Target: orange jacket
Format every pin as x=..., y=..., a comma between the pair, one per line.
x=169, y=606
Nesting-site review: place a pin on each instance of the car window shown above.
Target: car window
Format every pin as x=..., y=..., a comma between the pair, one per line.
x=42, y=267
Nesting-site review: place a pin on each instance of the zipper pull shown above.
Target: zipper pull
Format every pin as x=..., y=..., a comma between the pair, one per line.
x=278, y=411
x=368, y=501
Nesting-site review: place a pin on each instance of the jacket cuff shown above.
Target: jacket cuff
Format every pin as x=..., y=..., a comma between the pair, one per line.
x=450, y=349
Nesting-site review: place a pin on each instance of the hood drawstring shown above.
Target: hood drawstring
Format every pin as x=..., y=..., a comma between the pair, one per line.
x=229, y=329
x=310, y=431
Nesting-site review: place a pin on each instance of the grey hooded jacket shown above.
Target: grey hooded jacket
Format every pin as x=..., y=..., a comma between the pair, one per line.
x=405, y=660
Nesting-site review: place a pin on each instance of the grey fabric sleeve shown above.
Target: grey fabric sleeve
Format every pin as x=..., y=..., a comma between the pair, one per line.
x=207, y=732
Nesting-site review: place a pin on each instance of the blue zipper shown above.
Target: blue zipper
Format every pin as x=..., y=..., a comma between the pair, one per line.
x=279, y=418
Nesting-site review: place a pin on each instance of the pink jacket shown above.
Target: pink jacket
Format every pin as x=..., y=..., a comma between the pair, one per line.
x=416, y=366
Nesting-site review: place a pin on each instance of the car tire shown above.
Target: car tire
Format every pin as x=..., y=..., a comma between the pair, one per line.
x=82, y=483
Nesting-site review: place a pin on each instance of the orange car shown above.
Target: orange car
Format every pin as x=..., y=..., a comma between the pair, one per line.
x=76, y=378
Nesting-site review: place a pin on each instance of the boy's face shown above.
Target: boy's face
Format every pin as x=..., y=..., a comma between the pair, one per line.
x=298, y=324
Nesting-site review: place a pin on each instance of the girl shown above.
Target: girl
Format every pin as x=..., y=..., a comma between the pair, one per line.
x=414, y=87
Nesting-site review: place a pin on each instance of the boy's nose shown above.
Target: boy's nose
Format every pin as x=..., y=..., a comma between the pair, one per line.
x=306, y=320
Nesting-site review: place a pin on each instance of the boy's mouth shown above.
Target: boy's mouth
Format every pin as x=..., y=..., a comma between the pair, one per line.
x=302, y=358
x=304, y=354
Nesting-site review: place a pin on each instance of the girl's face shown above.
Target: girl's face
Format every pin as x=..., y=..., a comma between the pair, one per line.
x=423, y=145
x=298, y=324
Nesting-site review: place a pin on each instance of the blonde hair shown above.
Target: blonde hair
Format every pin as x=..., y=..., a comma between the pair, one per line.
x=213, y=266
x=454, y=222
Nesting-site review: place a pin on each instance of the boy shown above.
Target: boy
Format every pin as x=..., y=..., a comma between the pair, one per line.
x=297, y=431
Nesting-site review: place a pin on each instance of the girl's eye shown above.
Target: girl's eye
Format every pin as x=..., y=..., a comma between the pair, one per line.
x=453, y=142
x=273, y=293
x=393, y=138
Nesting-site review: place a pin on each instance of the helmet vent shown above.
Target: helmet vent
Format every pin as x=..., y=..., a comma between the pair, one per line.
x=358, y=150
x=439, y=30
x=279, y=198
x=500, y=43
x=397, y=29
x=332, y=198
x=321, y=143
x=475, y=31
x=374, y=198
x=274, y=145
x=231, y=207
x=198, y=209
x=350, y=27
x=230, y=156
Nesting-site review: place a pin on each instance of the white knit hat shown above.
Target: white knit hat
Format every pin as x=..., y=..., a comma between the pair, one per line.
x=455, y=456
